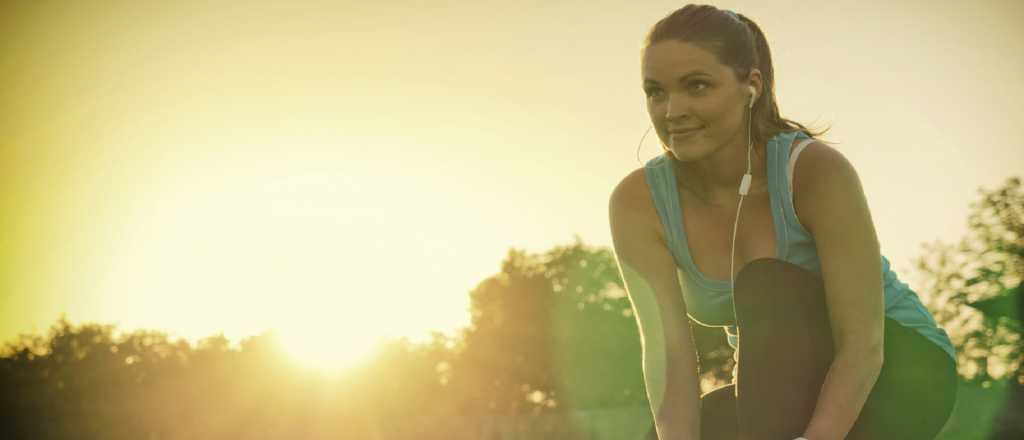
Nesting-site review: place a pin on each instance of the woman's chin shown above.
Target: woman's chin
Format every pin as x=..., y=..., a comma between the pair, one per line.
x=684, y=153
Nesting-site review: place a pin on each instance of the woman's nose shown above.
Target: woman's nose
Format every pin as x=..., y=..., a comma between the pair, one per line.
x=677, y=107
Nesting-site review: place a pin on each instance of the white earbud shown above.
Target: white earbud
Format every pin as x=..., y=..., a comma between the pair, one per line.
x=753, y=96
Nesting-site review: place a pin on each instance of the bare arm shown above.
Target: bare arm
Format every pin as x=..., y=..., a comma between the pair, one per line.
x=835, y=212
x=649, y=274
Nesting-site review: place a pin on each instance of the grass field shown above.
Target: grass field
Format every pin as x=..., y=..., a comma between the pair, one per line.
x=976, y=408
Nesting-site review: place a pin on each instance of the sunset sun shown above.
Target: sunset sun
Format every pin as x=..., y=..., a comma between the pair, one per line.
x=326, y=353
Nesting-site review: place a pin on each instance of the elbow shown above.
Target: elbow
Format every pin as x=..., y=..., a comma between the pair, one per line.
x=863, y=347
x=869, y=356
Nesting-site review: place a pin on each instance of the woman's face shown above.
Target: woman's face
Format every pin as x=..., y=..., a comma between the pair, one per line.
x=687, y=88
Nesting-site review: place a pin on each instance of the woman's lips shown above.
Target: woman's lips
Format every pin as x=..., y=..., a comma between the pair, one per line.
x=685, y=133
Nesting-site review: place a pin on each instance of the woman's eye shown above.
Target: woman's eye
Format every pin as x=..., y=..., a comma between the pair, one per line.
x=698, y=86
x=694, y=84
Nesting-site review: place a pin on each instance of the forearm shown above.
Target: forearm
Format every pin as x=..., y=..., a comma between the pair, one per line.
x=675, y=398
x=679, y=415
x=847, y=385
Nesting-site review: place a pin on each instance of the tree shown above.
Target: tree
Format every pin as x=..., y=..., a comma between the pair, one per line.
x=555, y=332
x=553, y=350
x=973, y=287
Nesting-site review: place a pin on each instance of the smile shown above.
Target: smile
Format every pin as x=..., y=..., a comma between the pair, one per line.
x=685, y=133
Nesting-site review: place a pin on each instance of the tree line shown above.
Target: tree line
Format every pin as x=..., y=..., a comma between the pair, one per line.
x=552, y=342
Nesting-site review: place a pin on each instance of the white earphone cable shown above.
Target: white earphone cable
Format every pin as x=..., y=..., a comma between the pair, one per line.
x=744, y=188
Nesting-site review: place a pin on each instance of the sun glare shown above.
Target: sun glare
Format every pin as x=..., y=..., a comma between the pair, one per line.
x=327, y=354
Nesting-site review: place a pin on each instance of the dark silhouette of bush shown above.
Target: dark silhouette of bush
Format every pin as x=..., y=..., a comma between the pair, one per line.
x=552, y=351
x=552, y=337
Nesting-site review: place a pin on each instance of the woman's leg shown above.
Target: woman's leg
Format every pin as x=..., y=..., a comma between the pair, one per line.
x=785, y=348
x=915, y=392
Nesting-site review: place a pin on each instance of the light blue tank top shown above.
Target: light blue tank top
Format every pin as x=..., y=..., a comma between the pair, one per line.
x=709, y=301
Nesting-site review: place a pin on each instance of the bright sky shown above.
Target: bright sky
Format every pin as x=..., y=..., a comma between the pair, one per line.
x=348, y=171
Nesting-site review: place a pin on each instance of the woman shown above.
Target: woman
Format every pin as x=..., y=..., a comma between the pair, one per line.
x=834, y=345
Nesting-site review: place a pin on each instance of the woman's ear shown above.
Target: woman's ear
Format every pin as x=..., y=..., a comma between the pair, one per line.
x=756, y=81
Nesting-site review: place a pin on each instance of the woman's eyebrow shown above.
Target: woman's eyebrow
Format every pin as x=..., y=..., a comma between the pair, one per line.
x=681, y=78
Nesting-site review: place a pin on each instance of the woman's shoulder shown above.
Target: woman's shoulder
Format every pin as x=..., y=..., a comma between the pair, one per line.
x=817, y=160
x=631, y=197
x=631, y=191
x=635, y=183
x=823, y=179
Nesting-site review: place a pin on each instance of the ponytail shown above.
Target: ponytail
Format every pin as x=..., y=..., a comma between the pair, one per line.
x=766, y=111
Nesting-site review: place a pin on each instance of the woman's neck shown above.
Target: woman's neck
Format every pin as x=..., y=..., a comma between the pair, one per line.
x=715, y=180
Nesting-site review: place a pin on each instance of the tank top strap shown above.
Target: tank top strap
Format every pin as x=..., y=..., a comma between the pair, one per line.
x=783, y=215
x=780, y=161
x=661, y=181
x=792, y=161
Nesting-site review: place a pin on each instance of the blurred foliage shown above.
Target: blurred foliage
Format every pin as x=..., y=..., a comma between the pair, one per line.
x=555, y=332
x=551, y=334
x=974, y=290
x=552, y=342
x=973, y=287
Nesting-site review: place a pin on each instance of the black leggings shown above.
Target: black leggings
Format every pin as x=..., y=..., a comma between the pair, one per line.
x=786, y=350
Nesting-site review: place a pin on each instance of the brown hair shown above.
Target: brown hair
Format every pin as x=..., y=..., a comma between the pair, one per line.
x=738, y=43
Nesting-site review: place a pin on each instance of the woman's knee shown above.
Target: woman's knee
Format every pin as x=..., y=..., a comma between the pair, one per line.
x=757, y=273
x=771, y=291
x=768, y=278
